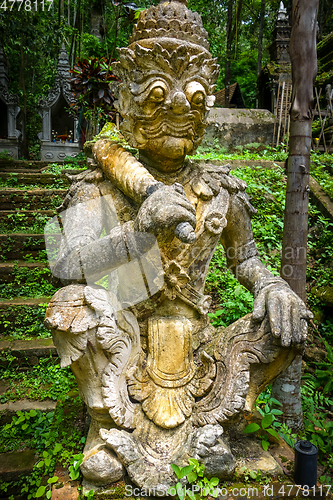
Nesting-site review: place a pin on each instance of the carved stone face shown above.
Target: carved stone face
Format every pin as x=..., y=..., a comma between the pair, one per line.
x=164, y=99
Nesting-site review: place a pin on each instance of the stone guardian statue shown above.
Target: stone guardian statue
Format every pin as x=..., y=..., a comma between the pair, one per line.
x=160, y=382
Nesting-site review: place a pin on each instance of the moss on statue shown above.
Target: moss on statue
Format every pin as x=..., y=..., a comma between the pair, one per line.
x=112, y=133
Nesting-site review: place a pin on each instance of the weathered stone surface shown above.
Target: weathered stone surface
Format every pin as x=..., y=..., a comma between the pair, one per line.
x=16, y=463
x=8, y=410
x=314, y=354
x=238, y=127
x=101, y=467
x=321, y=199
x=66, y=492
x=250, y=454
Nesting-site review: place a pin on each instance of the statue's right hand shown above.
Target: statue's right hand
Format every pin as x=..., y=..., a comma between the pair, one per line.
x=164, y=210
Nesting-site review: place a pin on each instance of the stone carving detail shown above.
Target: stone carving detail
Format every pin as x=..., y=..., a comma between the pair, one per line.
x=170, y=381
x=7, y=97
x=155, y=365
x=61, y=84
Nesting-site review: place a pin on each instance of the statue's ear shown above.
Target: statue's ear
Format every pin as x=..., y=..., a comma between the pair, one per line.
x=210, y=101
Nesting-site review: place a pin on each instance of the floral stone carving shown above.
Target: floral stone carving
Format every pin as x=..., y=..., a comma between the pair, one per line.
x=161, y=384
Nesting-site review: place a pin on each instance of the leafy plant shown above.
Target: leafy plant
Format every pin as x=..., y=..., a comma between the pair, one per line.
x=323, y=373
x=194, y=474
x=74, y=468
x=269, y=424
x=249, y=474
x=91, y=86
x=318, y=428
x=46, y=380
x=266, y=427
x=28, y=282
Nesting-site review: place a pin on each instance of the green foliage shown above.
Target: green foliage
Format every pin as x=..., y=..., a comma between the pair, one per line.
x=194, y=473
x=28, y=282
x=21, y=222
x=45, y=380
x=318, y=425
x=29, y=429
x=74, y=468
x=59, y=169
x=56, y=440
x=219, y=153
x=91, y=85
x=326, y=329
x=249, y=475
x=270, y=426
x=24, y=322
x=266, y=429
x=322, y=176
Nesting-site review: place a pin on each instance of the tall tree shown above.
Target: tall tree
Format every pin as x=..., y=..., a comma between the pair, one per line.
x=233, y=20
x=260, y=37
x=303, y=56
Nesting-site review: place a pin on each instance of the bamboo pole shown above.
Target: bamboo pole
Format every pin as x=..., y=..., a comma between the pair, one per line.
x=280, y=118
x=321, y=122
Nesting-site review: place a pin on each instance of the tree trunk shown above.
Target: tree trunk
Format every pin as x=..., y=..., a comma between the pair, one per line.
x=24, y=92
x=227, y=74
x=260, y=36
x=295, y=231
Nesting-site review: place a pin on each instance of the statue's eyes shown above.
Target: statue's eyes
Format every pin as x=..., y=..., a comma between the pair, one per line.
x=198, y=98
x=196, y=94
x=157, y=94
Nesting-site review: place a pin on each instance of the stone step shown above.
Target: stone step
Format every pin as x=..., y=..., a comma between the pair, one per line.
x=21, y=246
x=16, y=246
x=11, y=220
x=14, y=465
x=321, y=199
x=34, y=199
x=8, y=268
x=18, y=301
x=250, y=163
x=34, y=179
x=27, y=352
x=12, y=164
x=8, y=410
x=23, y=317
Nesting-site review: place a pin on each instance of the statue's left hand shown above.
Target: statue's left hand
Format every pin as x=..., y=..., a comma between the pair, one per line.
x=287, y=313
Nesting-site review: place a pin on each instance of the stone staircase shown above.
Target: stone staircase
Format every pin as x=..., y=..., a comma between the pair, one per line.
x=28, y=198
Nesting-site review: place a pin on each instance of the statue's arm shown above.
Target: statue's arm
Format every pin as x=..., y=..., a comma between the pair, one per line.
x=287, y=313
x=83, y=255
x=238, y=243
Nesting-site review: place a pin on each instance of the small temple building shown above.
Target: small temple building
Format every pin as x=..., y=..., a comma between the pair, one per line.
x=9, y=111
x=277, y=73
x=59, y=137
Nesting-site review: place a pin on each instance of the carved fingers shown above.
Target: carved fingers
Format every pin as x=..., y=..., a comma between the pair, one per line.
x=165, y=209
x=287, y=313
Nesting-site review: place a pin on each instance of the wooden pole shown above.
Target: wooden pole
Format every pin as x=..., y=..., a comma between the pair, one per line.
x=303, y=56
x=280, y=118
x=322, y=125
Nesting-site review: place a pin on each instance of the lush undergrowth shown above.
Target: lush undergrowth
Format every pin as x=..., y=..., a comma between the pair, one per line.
x=45, y=380
x=53, y=434
x=57, y=437
x=24, y=322
x=266, y=189
x=27, y=282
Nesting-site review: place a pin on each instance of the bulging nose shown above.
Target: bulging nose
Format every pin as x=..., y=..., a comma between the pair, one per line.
x=179, y=103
